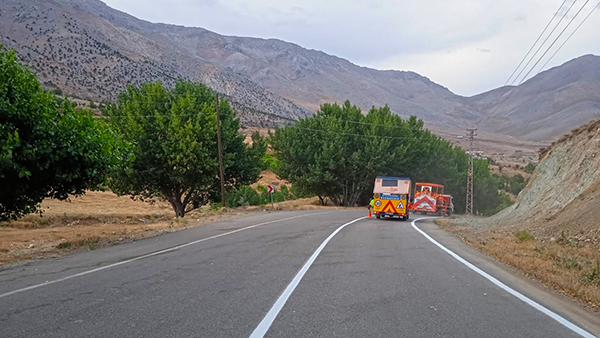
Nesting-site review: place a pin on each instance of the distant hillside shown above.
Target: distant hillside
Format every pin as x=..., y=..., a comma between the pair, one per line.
x=546, y=106
x=87, y=49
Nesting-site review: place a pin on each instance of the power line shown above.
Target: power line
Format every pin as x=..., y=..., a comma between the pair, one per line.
x=365, y=135
x=238, y=115
x=388, y=126
x=263, y=113
x=536, y=41
x=543, y=43
x=568, y=38
x=191, y=114
x=328, y=131
x=553, y=42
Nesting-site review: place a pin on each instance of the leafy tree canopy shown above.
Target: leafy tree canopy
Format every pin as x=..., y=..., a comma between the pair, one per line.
x=173, y=145
x=48, y=148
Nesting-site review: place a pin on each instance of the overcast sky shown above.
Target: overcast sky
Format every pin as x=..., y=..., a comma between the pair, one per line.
x=469, y=46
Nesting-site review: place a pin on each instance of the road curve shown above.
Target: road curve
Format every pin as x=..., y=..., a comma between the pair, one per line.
x=373, y=278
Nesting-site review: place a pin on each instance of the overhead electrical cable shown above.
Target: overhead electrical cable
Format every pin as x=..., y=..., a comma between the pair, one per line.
x=543, y=43
x=568, y=38
x=553, y=42
x=536, y=41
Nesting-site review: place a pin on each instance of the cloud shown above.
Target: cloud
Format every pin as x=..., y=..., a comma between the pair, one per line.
x=486, y=39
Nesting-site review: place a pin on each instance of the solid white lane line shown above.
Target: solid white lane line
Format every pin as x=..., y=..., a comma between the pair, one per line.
x=265, y=324
x=505, y=287
x=154, y=254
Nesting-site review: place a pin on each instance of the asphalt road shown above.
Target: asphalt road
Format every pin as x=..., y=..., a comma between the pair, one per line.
x=374, y=278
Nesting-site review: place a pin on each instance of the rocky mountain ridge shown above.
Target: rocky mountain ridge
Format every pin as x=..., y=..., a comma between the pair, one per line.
x=85, y=48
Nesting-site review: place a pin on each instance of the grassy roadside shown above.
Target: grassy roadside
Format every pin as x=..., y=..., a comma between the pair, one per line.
x=101, y=219
x=562, y=263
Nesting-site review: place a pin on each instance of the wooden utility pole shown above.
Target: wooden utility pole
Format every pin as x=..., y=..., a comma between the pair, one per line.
x=471, y=137
x=220, y=147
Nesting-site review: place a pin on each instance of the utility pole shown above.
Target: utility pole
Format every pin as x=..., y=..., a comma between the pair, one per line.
x=220, y=147
x=470, y=137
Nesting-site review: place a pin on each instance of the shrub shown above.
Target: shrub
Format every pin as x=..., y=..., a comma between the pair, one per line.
x=64, y=245
x=529, y=168
x=592, y=276
x=524, y=235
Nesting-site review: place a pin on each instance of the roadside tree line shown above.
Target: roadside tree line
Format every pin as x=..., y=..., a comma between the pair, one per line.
x=158, y=142
x=153, y=142
x=338, y=152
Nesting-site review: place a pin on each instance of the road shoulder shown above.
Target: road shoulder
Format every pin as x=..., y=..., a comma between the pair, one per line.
x=561, y=304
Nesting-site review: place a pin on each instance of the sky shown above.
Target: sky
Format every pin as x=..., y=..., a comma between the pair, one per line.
x=469, y=46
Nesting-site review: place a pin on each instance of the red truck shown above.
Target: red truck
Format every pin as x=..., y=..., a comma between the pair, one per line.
x=429, y=198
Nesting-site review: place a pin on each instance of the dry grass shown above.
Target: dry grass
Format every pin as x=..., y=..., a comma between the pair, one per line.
x=94, y=220
x=563, y=263
x=311, y=203
x=509, y=171
x=99, y=219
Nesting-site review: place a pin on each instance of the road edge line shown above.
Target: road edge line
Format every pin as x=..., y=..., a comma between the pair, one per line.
x=177, y=247
x=563, y=321
x=269, y=318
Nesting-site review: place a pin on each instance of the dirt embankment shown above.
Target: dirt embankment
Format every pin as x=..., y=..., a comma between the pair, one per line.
x=552, y=232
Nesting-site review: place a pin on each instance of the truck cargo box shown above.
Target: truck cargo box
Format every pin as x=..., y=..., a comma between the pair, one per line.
x=392, y=185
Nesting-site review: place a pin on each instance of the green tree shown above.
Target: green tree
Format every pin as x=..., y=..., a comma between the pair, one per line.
x=516, y=184
x=322, y=154
x=486, y=196
x=173, y=138
x=530, y=168
x=338, y=152
x=48, y=148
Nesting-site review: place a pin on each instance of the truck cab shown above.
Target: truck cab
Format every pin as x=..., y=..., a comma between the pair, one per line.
x=391, y=197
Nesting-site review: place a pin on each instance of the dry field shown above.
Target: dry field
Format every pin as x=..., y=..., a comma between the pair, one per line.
x=99, y=219
x=509, y=171
x=566, y=263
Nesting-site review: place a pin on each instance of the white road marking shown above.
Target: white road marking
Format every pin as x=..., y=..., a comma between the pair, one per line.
x=153, y=254
x=265, y=324
x=505, y=287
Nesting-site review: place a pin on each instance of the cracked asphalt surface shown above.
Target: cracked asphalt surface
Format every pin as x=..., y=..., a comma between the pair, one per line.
x=375, y=278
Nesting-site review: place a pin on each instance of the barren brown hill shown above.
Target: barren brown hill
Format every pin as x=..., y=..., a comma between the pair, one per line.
x=87, y=49
x=565, y=188
x=546, y=106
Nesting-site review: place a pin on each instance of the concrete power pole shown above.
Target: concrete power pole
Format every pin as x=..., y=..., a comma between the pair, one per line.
x=470, y=137
x=220, y=148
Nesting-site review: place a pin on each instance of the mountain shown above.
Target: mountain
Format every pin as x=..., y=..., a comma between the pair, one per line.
x=546, y=106
x=91, y=51
x=87, y=49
